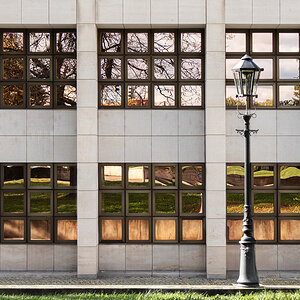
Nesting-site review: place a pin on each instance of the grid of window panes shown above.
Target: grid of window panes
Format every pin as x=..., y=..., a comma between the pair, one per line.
x=38, y=203
x=278, y=52
x=151, y=203
x=151, y=68
x=38, y=68
x=275, y=202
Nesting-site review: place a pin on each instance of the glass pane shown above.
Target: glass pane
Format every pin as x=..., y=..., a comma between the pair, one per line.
x=288, y=42
x=289, y=68
x=164, y=95
x=40, y=230
x=235, y=203
x=137, y=68
x=264, y=96
x=13, y=230
x=111, y=202
x=137, y=95
x=13, y=202
x=191, y=95
x=192, y=230
x=66, y=230
x=13, y=95
x=290, y=203
x=39, y=42
x=110, y=41
x=164, y=68
x=191, y=203
x=66, y=203
x=231, y=99
x=230, y=63
x=234, y=228
x=13, y=176
x=289, y=95
x=39, y=68
x=263, y=203
x=112, y=176
x=138, y=176
x=262, y=42
x=191, y=176
x=111, y=230
x=164, y=176
x=235, y=42
x=13, y=42
x=191, y=68
x=263, y=230
x=235, y=176
x=138, y=230
x=137, y=42
x=190, y=42
x=267, y=64
x=66, y=176
x=165, y=230
x=40, y=202
x=164, y=42
x=13, y=68
x=290, y=176
x=40, y=95
x=138, y=203
x=165, y=203
x=65, y=42
x=263, y=176
x=110, y=95
x=66, y=68
x=110, y=68
x=40, y=176
x=289, y=230
x=66, y=95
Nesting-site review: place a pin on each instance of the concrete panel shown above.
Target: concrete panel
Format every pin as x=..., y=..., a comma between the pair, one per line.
x=87, y=148
x=65, y=149
x=192, y=258
x=164, y=148
x=289, y=12
x=216, y=204
x=215, y=151
x=13, y=258
x=13, y=122
x=288, y=122
x=87, y=93
x=86, y=171
x=288, y=257
x=234, y=148
x=138, y=122
x=40, y=148
x=215, y=176
x=215, y=93
x=111, y=149
x=233, y=257
x=192, y=12
x=266, y=257
x=263, y=148
x=215, y=37
x=164, y=12
x=13, y=148
x=86, y=11
x=165, y=122
x=62, y=12
x=86, y=65
x=238, y=11
x=191, y=149
x=191, y=122
x=216, y=232
x=87, y=261
x=87, y=204
x=111, y=257
x=137, y=149
x=65, y=122
x=215, y=119
x=266, y=11
x=86, y=35
x=40, y=122
x=138, y=257
x=165, y=257
x=216, y=262
x=40, y=257
x=35, y=12
x=111, y=122
x=88, y=232
x=215, y=65
x=65, y=257
x=215, y=11
x=11, y=12
x=109, y=12
x=136, y=12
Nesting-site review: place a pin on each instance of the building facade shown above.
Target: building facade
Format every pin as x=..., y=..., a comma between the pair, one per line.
x=136, y=96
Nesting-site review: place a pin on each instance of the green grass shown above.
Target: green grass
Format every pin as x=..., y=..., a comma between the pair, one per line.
x=191, y=202
x=289, y=172
x=138, y=203
x=165, y=203
x=263, y=202
x=111, y=202
x=66, y=203
x=235, y=203
x=13, y=202
x=40, y=202
x=290, y=203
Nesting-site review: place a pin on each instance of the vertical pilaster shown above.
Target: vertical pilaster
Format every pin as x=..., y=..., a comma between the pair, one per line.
x=87, y=140
x=215, y=116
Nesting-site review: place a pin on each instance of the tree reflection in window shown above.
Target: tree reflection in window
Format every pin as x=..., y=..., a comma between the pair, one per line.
x=164, y=95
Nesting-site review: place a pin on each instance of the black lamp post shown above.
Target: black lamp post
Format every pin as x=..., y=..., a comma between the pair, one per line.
x=246, y=75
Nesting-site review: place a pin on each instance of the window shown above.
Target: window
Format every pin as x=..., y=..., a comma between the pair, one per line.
x=275, y=202
x=38, y=69
x=151, y=68
x=38, y=203
x=145, y=203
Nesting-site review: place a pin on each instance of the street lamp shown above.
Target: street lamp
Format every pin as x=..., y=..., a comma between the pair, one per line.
x=246, y=75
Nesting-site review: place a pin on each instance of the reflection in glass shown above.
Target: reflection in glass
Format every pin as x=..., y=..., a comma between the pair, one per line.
x=234, y=229
x=111, y=202
x=190, y=42
x=164, y=176
x=137, y=68
x=231, y=99
x=263, y=203
x=192, y=230
x=235, y=203
x=110, y=68
x=138, y=203
x=289, y=68
x=39, y=95
x=66, y=68
x=66, y=230
x=164, y=95
x=192, y=176
x=235, y=176
x=230, y=63
x=289, y=95
x=191, y=68
x=13, y=68
x=66, y=42
x=264, y=96
x=13, y=95
x=111, y=230
x=290, y=176
x=13, y=176
x=13, y=230
x=39, y=68
x=137, y=42
x=40, y=202
x=235, y=42
x=289, y=230
x=262, y=42
x=288, y=42
x=137, y=95
x=110, y=41
x=267, y=65
x=263, y=176
x=39, y=42
x=40, y=230
x=191, y=203
x=138, y=176
x=112, y=176
x=40, y=176
x=164, y=68
x=13, y=202
x=66, y=95
x=290, y=203
x=165, y=203
x=110, y=95
x=66, y=202
x=164, y=42
x=138, y=230
x=165, y=230
x=66, y=176
x=263, y=230
x=190, y=95
x=13, y=42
